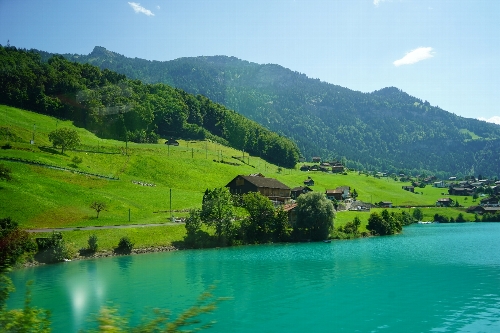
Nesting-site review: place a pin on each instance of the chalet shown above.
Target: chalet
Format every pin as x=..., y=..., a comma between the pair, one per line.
x=482, y=210
x=338, y=168
x=340, y=193
x=316, y=159
x=460, y=191
x=269, y=187
x=314, y=168
x=439, y=184
x=334, y=194
x=309, y=182
x=300, y=190
x=385, y=204
x=304, y=168
x=409, y=188
x=490, y=202
x=444, y=202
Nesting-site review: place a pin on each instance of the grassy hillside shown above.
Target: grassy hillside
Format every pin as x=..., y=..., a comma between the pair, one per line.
x=45, y=197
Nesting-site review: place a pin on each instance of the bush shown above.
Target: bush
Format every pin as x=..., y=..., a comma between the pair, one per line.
x=52, y=249
x=92, y=243
x=124, y=246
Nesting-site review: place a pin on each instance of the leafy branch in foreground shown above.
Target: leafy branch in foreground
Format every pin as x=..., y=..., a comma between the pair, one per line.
x=109, y=320
x=28, y=319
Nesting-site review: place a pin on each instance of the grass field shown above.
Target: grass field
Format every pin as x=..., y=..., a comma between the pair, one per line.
x=44, y=197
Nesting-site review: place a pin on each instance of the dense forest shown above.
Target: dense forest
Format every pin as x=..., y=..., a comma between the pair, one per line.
x=111, y=105
x=386, y=130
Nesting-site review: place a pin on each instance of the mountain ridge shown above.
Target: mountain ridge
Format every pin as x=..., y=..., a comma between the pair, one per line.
x=382, y=130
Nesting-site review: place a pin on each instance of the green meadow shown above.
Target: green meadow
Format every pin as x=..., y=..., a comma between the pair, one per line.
x=148, y=183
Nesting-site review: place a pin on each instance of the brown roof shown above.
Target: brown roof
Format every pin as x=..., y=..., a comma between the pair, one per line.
x=337, y=190
x=289, y=207
x=265, y=182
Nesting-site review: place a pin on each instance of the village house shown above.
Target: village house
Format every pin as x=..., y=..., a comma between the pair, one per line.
x=439, y=184
x=385, y=204
x=444, y=202
x=409, y=188
x=309, y=182
x=304, y=168
x=490, y=202
x=338, y=168
x=269, y=187
x=482, y=210
x=316, y=159
x=299, y=190
x=340, y=193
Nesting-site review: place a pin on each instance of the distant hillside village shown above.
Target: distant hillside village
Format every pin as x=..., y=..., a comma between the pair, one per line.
x=344, y=198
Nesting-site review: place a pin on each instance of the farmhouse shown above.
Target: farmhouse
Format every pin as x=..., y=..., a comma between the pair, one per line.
x=409, y=188
x=300, y=190
x=444, y=202
x=309, y=182
x=269, y=187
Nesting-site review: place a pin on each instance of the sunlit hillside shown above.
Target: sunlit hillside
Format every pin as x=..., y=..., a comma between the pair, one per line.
x=140, y=182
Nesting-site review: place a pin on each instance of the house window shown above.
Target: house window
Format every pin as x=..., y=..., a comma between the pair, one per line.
x=240, y=182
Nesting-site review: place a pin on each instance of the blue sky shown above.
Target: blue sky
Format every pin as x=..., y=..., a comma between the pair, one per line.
x=443, y=51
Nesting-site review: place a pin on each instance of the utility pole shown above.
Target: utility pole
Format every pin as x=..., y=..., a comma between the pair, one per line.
x=171, y=213
x=34, y=128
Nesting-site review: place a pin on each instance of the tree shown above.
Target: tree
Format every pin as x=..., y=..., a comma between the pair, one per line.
x=98, y=206
x=315, y=216
x=418, y=214
x=217, y=211
x=5, y=172
x=384, y=224
x=354, y=194
x=258, y=226
x=14, y=243
x=475, y=196
x=65, y=138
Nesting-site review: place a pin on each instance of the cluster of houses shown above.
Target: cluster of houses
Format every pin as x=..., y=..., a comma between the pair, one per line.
x=469, y=187
x=279, y=193
x=334, y=166
x=487, y=205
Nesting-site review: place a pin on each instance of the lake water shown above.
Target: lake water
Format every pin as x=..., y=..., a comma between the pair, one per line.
x=432, y=278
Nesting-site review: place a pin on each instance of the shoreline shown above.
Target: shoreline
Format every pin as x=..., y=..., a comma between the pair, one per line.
x=103, y=254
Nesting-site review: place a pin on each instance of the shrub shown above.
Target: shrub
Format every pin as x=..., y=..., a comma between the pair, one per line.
x=52, y=249
x=124, y=246
x=92, y=241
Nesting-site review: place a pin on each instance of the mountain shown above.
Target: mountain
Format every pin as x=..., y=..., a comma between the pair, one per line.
x=386, y=130
x=113, y=106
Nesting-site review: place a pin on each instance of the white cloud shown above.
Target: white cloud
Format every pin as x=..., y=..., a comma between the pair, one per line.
x=377, y=2
x=494, y=119
x=139, y=9
x=415, y=56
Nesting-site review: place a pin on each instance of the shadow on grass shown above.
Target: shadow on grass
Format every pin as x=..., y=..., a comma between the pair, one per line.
x=50, y=150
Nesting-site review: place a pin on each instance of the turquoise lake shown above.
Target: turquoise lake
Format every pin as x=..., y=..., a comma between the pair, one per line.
x=431, y=278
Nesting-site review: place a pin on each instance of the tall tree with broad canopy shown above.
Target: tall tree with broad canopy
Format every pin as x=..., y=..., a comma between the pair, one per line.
x=315, y=216
x=65, y=138
x=258, y=226
x=217, y=211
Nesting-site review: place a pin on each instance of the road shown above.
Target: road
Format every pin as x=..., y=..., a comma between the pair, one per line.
x=103, y=227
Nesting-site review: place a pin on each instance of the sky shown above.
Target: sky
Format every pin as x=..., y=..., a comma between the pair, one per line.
x=446, y=52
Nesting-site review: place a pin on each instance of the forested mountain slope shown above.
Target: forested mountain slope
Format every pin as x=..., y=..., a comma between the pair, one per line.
x=385, y=130
x=113, y=106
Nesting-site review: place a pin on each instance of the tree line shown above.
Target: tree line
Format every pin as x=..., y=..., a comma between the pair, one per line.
x=111, y=105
